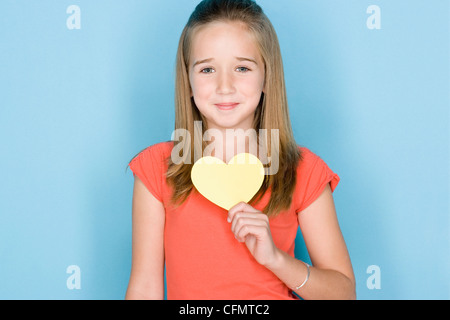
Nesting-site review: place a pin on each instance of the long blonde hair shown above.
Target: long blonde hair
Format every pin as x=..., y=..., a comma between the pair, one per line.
x=271, y=113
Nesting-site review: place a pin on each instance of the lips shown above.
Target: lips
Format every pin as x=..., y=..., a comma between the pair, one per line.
x=227, y=105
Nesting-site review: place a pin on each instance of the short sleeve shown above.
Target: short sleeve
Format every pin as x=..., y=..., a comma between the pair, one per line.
x=314, y=180
x=148, y=166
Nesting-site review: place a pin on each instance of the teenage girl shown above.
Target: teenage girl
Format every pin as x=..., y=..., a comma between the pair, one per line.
x=229, y=75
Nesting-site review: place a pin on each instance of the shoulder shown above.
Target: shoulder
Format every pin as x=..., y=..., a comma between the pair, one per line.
x=311, y=163
x=163, y=148
x=159, y=150
x=307, y=158
x=154, y=156
x=312, y=176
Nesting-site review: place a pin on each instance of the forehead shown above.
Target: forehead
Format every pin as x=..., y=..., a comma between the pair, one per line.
x=220, y=38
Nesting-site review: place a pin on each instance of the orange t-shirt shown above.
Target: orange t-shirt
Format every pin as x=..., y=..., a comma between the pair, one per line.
x=203, y=259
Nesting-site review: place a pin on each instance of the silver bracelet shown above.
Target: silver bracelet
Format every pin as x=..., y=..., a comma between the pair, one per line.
x=307, y=277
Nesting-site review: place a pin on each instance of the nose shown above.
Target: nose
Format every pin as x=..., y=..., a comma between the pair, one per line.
x=225, y=83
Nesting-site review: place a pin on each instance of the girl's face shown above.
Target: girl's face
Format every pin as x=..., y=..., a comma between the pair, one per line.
x=226, y=73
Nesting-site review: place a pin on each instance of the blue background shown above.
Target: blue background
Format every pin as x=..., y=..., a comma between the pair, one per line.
x=77, y=105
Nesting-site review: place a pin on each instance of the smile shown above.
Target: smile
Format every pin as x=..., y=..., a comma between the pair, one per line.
x=226, y=106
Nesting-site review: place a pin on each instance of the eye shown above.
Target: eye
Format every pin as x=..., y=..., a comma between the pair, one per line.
x=242, y=69
x=207, y=70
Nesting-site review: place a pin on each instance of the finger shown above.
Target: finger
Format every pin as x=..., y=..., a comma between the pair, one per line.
x=241, y=219
x=241, y=206
x=257, y=231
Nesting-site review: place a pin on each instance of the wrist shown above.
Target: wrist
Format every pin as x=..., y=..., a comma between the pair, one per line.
x=277, y=261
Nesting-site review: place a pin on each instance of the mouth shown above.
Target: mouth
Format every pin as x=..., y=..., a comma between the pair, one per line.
x=227, y=106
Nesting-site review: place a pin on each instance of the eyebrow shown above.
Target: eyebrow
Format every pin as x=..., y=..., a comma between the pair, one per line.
x=202, y=61
x=246, y=59
x=211, y=59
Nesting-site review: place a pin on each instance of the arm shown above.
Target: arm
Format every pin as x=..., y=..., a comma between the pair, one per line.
x=147, y=267
x=332, y=275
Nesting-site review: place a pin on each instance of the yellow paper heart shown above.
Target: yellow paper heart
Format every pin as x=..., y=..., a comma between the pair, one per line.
x=228, y=184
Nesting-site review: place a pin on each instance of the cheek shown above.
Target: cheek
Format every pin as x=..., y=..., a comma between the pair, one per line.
x=200, y=89
x=252, y=87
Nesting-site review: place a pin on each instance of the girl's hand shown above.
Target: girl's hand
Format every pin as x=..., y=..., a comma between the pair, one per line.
x=252, y=227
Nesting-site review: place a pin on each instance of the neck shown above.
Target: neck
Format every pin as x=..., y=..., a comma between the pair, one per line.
x=225, y=144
